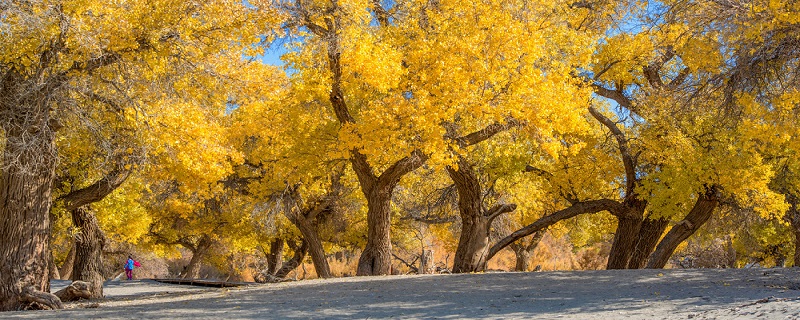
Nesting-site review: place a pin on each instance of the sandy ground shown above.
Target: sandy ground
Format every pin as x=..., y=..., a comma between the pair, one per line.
x=614, y=294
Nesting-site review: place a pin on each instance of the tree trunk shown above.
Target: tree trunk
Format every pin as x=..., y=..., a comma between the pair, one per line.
x=524, y=252
x=649, y=234
x=25, y=186
x=473, y=244
x=426, y=264
x=376, y=259
x=309, y=233
x=198, y=254
x=700, y=213
x=296, y=260
x=89, y=244
x=796, y=230
x=275, y=256
x=52, y=268
x=627, y=234
x=69, y=263
x=624, y=241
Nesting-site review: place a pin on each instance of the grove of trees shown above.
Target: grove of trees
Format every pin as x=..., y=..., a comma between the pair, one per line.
x=393, y=134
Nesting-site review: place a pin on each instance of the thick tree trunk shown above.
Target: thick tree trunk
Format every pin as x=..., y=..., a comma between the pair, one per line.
x=627, y=234
x=376, y=259
x=89, y=244
x=198, y=254
x=649, y=234
x=69, y=263
x=523, y=252
x=624, y=242
x=700, y=213
x=25, y=185
x=473, y=245
x=296, y=260
x=275, y=256
x=472, y=251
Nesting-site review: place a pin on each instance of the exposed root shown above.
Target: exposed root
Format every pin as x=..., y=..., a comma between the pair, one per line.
x=40, y=300
x=75, y=291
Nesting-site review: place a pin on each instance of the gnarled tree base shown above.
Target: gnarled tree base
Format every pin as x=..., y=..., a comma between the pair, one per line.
x=40, y=300
x=77, y=290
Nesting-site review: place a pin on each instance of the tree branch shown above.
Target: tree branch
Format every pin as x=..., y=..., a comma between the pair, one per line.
x=591, y=206
x=97, y=191
x=622, y=142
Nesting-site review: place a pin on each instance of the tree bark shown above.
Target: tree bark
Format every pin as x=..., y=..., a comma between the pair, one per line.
x=376, y=259
x=315, y=248
x=275, y=256
x=199, y=252
x=69, y=263
x=25, y=199
x=473, y=244
x=627, y=234
x=299, y=255
x=89, y=244
x=795, y=224
x=700, y=213
x=649, y=234
x=52, y=268
x=523, y=252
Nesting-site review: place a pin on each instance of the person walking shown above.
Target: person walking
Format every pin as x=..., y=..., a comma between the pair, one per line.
x=129, y=265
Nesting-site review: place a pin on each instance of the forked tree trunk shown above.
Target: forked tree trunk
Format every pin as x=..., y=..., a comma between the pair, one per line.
x=275, y=256
x=69, y=263
x=25, y=198
x=472, y=252
x=473, y=243
x=700, y=213
x=298, y=257
x=627, y=234
x=376, y=259
x=649, y=234
x=89, y=244
x=523, y=252
x=199, y=253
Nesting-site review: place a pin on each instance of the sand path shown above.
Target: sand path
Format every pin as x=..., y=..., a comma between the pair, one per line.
x=612, y=294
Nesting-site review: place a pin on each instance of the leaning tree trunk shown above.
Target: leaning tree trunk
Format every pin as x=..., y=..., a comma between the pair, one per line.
x=314, y=245
x=523, y=252
x=700, y=213
x=299, y=255
x=89, y=244
x=649, y=234
x=376, y=259
x=69, y=263
x=627, y=234
x=275, y=256
x=199, y=253
x=52, y=268
x=25, y=186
